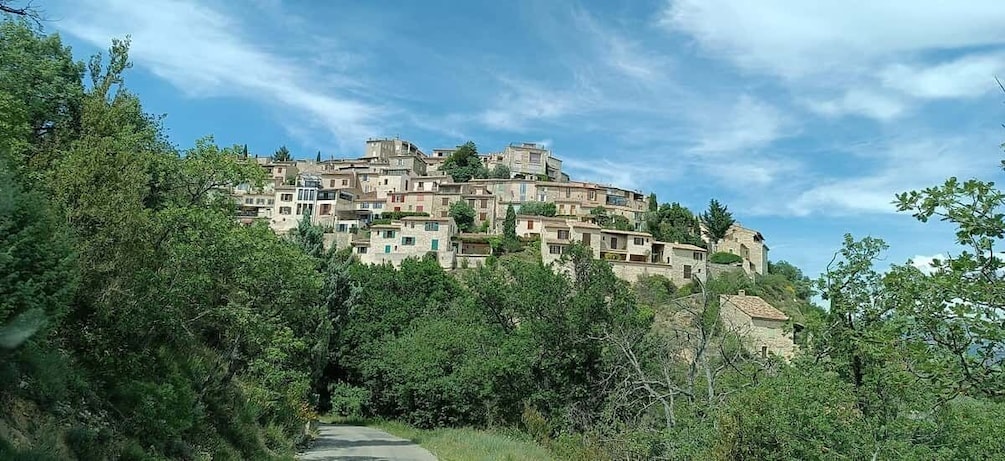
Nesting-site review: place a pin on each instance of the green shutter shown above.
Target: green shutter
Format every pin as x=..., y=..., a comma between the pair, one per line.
x=436, y=244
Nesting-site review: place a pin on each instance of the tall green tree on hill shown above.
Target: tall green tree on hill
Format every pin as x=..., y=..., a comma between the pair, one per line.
x=654, y=204
x=717, y=221
x=282, y=154
x=464, y=215
x=465, y=164
x=318, y=158
x=673, y=222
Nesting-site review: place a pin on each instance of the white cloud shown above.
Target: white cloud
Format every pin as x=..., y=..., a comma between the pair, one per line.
x=924, y=263
x=794, y=38
x=868, y=103
x=746, y=124
x=625, y=174
x=966, y=77
x=895, y=166
x=201, y=51
x=524, y=102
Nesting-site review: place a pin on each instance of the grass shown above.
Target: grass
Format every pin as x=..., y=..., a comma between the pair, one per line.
x=461, y=444
x=465, y=444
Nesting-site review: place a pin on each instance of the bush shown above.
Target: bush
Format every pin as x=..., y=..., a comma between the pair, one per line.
x=349, y=401
x=538, y=209
x=722, y=257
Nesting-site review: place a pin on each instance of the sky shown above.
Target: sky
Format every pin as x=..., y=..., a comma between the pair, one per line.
x=805, y=118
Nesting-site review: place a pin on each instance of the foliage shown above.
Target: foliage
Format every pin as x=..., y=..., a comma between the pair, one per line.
x=672, y=222
x=500, y=171
x=464, y=164
x=802, y=285
x=716, y=221
x=538, y=209
x=724, y=257
x=463, y=214
x=610, y=221
x=397, y=215
x=282, y=155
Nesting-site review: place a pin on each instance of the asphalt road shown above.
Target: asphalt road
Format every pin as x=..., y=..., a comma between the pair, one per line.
x=357, y=443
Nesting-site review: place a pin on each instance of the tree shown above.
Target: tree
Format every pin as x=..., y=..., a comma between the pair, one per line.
x=538, y=209
x=282, y=155
x=801, y=284
x=720, y=257
x=463, y=214
x=244, y=151
x=717, y=221
x=654, y=204
x=318, y=158
x=500, y=171
x=672, y=222
x=464, y=164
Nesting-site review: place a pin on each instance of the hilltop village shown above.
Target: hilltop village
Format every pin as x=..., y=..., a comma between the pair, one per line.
x=394, y=202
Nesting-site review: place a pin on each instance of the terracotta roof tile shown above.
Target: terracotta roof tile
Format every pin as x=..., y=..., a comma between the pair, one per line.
x=755, y=307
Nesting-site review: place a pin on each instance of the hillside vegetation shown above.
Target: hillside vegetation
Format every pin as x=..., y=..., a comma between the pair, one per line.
x=138, y=320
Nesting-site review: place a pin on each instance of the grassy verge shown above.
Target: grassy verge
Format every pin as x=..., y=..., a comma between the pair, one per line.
x=461, y=444
x=464, y=444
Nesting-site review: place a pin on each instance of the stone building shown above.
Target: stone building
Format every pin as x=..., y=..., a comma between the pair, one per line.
x=761, y=326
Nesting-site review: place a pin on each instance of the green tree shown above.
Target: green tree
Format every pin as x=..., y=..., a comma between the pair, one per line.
x=465, y=164
x=282, y=155
x=463, y=214
x=654, y=204
x=802, y=285
x=318, y=158
x=717, y=221
x=538, y=209
x=500, y=171
x=672, y=222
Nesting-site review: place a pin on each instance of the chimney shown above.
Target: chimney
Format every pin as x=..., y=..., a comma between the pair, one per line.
x=742, y=293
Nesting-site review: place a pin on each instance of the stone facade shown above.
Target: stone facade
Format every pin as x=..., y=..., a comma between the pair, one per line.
x=749, y=245
x=762, y=327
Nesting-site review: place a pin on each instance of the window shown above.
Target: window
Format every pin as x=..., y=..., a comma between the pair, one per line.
x=764, y=352
x=586, y=239
x=378, y=205
x=260, y=201
x=343, y=228
x=432, y=226
x=639, y=241
x=249, y=201
x=593, y=195
x=286, y=197
x=326, y=208
x=530, y=225
x=419, y=186
x=271, y=201
x=284, y=210
x=331, y=183
x=408, y=240
x=485, y=203
x=361, y=250
x=418, y=208
x=364, y=205
x=435, y=245
x=399, y=162
x=389, y=234
x=614, y=243
x=698, y=256
x=687, y=272
x=482, y=216
x=535, y=158
x=556, y=249
x=345, y=182
x=563, y=234
x=471, y=202
x=445, y=201
x=397, y=208
x=387, y=248
x=568, y=192
x=443, y=214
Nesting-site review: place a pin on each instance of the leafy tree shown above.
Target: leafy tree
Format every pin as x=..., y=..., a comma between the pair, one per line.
x=500, y=171
x=654, y=204
x=464, y=164
x=672, y=222
x=463, y=214
x=717, y=221
x=538, y=209
x=802, y=285
x=721, y=257
x=282, y=155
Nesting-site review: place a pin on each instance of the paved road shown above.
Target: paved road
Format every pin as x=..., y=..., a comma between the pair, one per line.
x=356, y=443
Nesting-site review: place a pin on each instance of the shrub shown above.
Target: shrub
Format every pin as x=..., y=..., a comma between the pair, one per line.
x=349, y=401
x=538, y=209
x=722, y=257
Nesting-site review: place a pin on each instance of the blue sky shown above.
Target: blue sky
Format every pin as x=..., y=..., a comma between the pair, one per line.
x=804, y=117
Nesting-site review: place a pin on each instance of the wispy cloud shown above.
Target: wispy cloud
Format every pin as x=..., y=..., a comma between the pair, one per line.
x=207, y=52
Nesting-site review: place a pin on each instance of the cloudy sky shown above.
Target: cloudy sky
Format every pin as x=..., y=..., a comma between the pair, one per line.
x=804, y=117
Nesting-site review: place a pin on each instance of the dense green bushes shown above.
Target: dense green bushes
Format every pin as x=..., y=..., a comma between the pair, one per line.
x=721, y=257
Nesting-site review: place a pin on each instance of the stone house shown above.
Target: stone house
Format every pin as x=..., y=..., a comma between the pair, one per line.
x=759, y=324
x=749, y=245
x=411, y=237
